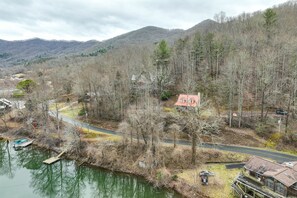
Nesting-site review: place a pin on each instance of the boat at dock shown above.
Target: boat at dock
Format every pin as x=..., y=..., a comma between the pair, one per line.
x=21, y=143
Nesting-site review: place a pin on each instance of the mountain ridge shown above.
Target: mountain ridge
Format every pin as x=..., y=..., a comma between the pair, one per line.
x=21, y=51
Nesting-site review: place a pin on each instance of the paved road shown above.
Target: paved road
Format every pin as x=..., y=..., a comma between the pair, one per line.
x=274, y=155
x=6, y=91
x=83, y=124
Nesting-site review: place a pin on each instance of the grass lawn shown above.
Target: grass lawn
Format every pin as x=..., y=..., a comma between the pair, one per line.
x=72, y=112
x=91, y=134
x=59, y=105
x=219, y=185
x=67, y=109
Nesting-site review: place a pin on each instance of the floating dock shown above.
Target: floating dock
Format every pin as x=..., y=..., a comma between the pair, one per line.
x=53, y=159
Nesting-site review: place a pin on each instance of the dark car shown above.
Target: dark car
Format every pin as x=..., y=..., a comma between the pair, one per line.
x=281, y=112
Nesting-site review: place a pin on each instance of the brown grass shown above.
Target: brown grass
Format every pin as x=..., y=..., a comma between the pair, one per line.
x=219, y=185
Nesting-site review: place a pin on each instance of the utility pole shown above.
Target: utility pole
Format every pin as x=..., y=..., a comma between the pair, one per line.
x=87, y=122
x=279, y=124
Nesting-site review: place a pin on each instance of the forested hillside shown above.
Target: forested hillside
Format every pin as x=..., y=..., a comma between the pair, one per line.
x=245, y=68
x=27, y=52
x=38, y=50
x=245, y=64
x=161, y=103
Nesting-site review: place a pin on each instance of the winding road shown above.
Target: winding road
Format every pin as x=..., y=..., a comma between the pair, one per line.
x=274, y=155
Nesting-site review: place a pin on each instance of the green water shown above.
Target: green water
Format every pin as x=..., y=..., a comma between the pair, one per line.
x=23, y=175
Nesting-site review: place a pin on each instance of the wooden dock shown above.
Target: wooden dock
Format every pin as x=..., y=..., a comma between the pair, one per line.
x=53, y=159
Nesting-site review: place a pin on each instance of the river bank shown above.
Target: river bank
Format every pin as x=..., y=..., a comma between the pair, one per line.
x=160, y=170
x=84, y=158
x=22, y=174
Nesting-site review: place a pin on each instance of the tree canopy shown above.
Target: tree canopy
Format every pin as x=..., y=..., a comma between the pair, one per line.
x=26, y=85
x=270, y=17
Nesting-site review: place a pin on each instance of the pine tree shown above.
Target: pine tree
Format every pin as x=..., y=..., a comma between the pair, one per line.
x=161, y=61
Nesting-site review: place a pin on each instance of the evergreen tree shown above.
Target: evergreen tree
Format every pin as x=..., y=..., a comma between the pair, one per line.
x=270, y=17
x=197, y=51
x=161, y=61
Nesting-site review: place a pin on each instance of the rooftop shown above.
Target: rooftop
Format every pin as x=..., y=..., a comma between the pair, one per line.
x=188, y=100
x=285, y=173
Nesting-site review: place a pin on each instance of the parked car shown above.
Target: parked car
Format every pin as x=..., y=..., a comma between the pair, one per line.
x=281, y=112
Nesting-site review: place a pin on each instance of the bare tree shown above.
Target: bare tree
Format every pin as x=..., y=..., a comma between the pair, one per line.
x=147, y=122
x=72, y=139
x=175, y=128
x=196, y=126
x=3, y=118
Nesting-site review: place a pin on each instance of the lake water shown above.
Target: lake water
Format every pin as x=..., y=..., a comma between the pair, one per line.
x=23, y=175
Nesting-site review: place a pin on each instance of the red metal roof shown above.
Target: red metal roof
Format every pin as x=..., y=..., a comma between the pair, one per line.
x=185, y=100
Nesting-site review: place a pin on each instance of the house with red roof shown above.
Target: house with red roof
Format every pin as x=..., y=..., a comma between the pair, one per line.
x=186, y=101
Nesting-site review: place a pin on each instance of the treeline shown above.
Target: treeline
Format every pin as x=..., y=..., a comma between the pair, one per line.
x=244, y=64
x=247, y=64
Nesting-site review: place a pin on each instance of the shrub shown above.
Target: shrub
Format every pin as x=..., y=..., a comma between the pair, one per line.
x=274, y=140
x=159, y=175
x=290, y=138
x=276, y=137
x=174, y=177
x=18, y=94
x=270, y=144
x=26, y=85
x=264, y=129
x=82, y=112
x=165, y=95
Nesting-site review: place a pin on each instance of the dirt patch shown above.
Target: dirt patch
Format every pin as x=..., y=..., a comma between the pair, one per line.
x=170, y=102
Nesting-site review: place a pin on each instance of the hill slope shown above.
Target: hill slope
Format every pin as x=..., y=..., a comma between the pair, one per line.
x=20, y=52
x=149, y=34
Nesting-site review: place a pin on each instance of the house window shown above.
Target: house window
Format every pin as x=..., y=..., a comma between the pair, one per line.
x=257, y=175
x=253, y=174
x=269, y=183
x=280, y=189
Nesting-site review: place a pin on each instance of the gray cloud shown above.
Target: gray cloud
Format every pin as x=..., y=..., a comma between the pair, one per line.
x=95, y=19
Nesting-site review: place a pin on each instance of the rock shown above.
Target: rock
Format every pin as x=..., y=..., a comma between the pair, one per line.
x=142, y=164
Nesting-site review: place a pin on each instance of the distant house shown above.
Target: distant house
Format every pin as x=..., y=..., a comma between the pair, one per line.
x=185, y=101
x=19, y=75
x=143, y=81
x=144, y=78
x=266, y=179
x=5, y=104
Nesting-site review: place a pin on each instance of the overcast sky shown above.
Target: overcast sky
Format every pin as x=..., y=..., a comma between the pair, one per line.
x=102, y=19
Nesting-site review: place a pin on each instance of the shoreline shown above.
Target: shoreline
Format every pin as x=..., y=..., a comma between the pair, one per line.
x=179, y=186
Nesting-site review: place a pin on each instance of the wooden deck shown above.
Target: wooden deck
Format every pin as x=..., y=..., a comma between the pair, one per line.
x=53, y=159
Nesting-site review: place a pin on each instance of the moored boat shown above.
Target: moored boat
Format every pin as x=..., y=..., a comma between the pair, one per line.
x=21, y=143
